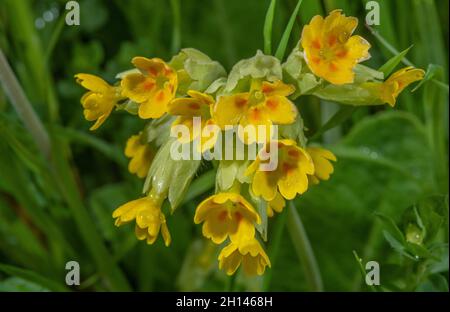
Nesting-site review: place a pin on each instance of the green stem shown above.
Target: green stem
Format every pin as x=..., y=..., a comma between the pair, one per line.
x=274, y=246
x=24, y=109
x=303, y=248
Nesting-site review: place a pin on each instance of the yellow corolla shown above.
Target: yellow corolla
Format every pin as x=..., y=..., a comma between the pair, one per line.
x=149, y=219
x=321, y=158
x=330, y=50
x=100, y=100
x=249, y=253
x=397, y=82
x=265, y=104
x=153, y=88
x=141, y=155
x=226, y=214
x=199, y=105
x=289, y=178
x=275, y=205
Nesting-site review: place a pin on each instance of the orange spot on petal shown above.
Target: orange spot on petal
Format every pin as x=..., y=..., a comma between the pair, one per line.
x=148, y=85
x=267, y=88
x=293, y=153
x=240, y=102
x=223, y=215
x=287, y=168
x=332, y=40
x=238, y=216
x=316, y=44
x=341, y=54
x=152, y=71
x=333, y=67
x=160, y=96
x=255, y=114
x=272, y=104
x=194, y=106
x=315, y=60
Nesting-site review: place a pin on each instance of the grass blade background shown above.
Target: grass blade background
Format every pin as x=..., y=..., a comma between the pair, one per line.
x=281, y=50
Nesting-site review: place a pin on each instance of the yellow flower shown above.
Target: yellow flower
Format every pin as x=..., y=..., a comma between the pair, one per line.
x=196, y=105
x=99, y=101
x=141, y=156
x=153, y=88
x=226, y=214
x=275, y=205
x=322, y=165
x=290, y=176
x=265, y=104
x=397, y=82
x=330, y=50
x=149, y=219
x=249, y=253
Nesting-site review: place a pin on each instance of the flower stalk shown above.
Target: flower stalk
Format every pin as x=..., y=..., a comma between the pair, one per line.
x=303, y=248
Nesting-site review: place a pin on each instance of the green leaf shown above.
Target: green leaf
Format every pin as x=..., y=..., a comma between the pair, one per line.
x=32, y=276
x=392, y=228
x=17, y=284
x=200, y=185
x=392, y=63
x=342, y=115
x=435, y=282
x=432, y=71
x=393, y=174
x=268, y=23
x=279, y=54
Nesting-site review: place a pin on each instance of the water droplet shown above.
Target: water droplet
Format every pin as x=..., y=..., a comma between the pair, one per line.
x=55, y=11
x=365, y=150
x=48, y=16
x=39, y=23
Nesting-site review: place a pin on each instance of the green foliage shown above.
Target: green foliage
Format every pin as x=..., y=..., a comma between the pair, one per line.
x=386, y=200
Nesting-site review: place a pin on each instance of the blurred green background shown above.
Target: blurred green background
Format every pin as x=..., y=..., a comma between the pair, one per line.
x=387, y=200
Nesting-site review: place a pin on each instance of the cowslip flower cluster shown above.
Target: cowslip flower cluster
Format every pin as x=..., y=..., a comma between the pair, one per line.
x=260, y=92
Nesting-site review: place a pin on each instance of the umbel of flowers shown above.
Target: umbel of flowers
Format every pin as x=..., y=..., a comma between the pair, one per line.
x=258, y=91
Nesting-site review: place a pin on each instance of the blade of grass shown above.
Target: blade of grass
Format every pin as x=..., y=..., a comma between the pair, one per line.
x=303, y=248
x=21, y=105
x=392, y=63
x=361, y=269
x=28, y=48
x=54, y=38
x=64, y=179
x=281, y=50
x=405, y=61
x=33, y=277
x=431, y=72
x=80, y=137
x=267, y=31
x=176, y=32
